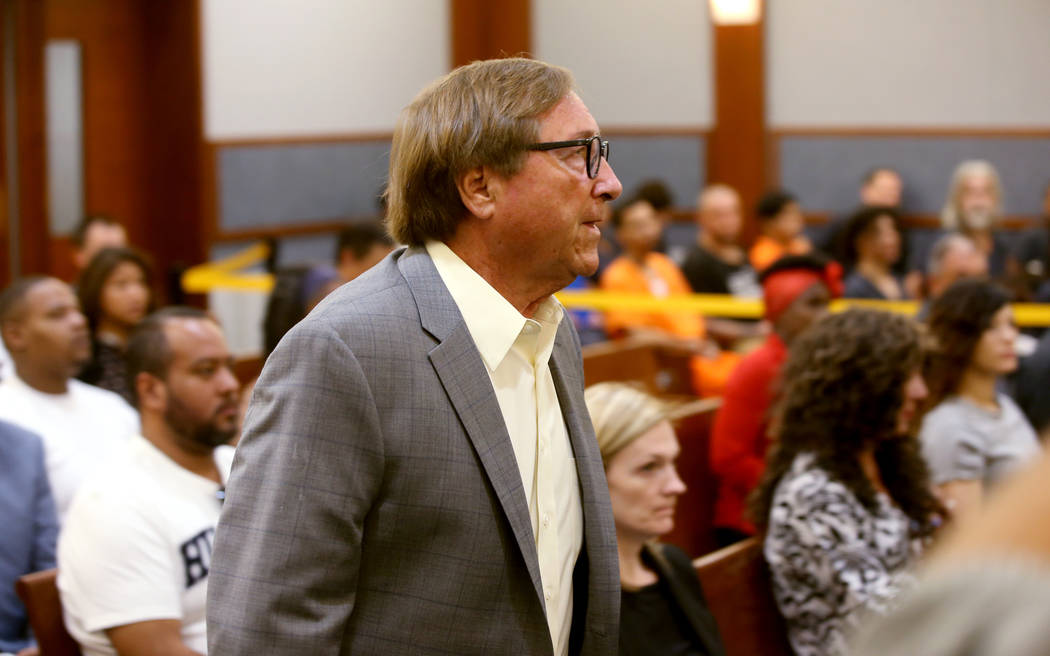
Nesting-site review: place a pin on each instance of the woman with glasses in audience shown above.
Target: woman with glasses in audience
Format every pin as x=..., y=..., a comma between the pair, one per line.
x=663, y=610
x=845, y=499
x=115, y=292
x=974, y=435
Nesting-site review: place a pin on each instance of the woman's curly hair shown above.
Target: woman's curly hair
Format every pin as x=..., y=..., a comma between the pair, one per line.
x=841, y=391
x=957, y=320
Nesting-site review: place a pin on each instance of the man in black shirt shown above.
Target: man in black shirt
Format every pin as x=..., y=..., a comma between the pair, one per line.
x=1030, y=259
x=717, y=264
x=880, y=187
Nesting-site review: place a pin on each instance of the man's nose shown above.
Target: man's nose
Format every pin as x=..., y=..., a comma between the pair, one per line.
x=607, y=184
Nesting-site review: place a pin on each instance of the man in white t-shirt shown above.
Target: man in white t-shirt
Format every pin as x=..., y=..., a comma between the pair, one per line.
x=82, y=426
x=134, y=554
x=6, y=366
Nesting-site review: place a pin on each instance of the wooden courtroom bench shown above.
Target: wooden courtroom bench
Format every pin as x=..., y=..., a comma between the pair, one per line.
x=39, y=593
x=665, y=373
x=695, y=510
x=661, y=370
x=738, y=591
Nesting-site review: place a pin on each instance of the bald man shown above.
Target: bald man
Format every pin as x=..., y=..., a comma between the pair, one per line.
x=953, y=257
x=718, y=264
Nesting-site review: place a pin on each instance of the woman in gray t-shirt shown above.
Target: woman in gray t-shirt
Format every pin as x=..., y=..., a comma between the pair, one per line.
x=974, y=435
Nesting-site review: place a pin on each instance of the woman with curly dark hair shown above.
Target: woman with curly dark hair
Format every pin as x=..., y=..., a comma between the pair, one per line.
x=845, y=496
x=115, y=293
x=872, y=246
x=974, y=435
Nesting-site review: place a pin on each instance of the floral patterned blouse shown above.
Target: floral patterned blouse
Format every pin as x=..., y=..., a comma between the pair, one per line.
x=832, y=560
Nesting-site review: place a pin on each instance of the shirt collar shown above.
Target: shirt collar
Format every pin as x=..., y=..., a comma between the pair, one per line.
x=493, y=323
x=15, y=382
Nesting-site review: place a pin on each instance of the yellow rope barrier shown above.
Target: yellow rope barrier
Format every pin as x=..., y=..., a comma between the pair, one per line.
x=224, y=274
x=1026, y=314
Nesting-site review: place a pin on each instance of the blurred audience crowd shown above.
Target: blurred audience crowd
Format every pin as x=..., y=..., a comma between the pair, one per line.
x=845, y=443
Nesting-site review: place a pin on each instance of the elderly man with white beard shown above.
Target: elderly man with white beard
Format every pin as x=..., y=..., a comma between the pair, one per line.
x=974, y=208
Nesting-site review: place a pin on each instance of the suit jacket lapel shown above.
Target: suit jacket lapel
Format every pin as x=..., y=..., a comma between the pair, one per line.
x=466, y=381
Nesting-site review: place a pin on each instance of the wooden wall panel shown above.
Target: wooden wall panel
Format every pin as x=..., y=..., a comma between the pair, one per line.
x=736, y=147
x=6, y=39
x=142, y=121
x=174, y=135
x=115, y=112
x=33, y=247
x=489, y=29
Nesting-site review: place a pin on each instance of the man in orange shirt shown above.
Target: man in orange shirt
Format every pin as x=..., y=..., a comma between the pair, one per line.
x=641, y=270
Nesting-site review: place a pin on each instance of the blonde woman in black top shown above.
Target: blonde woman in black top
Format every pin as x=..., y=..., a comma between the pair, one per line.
x=663, y=610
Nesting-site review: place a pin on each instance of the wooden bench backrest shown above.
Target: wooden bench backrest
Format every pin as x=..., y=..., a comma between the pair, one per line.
x=736, y=583
x=694, y=514
x=39, y=592
x=638, y=359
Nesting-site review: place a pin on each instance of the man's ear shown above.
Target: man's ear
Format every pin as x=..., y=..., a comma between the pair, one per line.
x=151, y=391
x=13, y=336
x=80, y=259
x=478, y=189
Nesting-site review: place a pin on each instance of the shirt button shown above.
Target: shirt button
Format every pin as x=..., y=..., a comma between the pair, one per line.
x=547, y=595
x=546, y=520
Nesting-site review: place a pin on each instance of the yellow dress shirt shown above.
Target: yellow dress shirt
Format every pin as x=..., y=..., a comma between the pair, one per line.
x=516, y=351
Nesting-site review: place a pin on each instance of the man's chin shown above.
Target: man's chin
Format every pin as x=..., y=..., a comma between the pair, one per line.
x=78, y=365
x=588, y=270
x=216, y=437
x=587, y=263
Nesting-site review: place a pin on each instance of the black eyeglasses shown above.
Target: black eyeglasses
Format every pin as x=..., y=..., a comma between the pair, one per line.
x=597, y=148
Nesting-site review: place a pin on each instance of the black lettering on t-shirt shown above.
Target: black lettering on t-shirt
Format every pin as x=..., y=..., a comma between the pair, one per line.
x=196, y=556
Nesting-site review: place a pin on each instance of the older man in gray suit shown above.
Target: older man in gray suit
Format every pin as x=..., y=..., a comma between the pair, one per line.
x=418, y=473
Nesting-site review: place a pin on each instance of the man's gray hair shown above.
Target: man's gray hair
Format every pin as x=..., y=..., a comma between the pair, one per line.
x=950, y=214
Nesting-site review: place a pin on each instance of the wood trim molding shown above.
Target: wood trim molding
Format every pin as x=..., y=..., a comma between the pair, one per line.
x=1012, y=223
x=305, y=140
x=680, y=215
x=933, y=132
x=362, y=137
x=655, y=131
x=30, y=145
x=289, y=230
x=7, y=35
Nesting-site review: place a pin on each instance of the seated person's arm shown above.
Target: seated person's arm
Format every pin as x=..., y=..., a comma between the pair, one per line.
x=152, y=638
x=954, y=454
x=119, y=575
x=730, y=331
x=961, y=498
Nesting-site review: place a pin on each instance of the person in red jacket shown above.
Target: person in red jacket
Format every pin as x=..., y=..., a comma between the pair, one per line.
x=796, y=290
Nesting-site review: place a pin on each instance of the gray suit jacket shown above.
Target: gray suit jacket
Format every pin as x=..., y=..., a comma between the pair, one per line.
x=375, y=504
